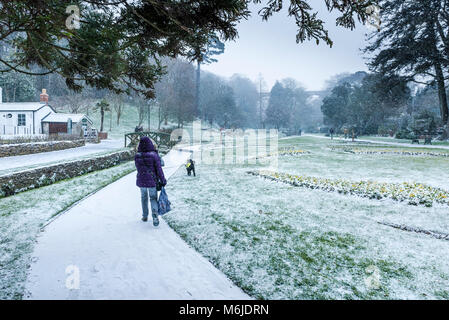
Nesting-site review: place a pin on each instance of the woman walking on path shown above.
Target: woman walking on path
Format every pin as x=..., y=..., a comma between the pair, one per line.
x=149, y=172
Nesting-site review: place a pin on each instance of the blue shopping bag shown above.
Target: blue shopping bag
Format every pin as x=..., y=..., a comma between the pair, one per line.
x=163, y=203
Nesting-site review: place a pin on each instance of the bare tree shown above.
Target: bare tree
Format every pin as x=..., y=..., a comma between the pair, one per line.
x=117, y=103
x=175, y=92
x=73, y=102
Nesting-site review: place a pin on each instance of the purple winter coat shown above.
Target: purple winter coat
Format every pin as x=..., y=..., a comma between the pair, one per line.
x=147, y=159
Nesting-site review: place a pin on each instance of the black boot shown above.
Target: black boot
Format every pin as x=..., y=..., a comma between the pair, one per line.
x=155, y=220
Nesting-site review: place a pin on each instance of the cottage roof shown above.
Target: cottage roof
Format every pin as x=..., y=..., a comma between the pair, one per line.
x=64, y=117
x=21, y=106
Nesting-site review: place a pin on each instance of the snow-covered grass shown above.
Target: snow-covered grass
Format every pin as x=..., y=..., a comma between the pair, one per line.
x=277, y=241
x=325, y=163
x=390, y=139
x=22, y=216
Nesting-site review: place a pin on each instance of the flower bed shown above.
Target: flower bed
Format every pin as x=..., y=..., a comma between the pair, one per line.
x=287, y=152
x=284, y=152
x=292, y=152
x=391, y=151
x=413, y=193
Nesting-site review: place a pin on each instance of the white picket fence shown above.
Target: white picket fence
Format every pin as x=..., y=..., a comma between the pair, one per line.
x=18, y=131
x=18, y=136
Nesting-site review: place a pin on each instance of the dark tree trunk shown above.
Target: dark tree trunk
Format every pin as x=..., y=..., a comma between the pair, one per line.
x=197, y=97
x=102, y=119
x=159, y=117
x=119, y=113
x=441, y=93
x=149, y=117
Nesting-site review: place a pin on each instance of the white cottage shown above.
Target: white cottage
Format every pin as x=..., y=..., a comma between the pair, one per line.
x=32, y=118
x=23, y=118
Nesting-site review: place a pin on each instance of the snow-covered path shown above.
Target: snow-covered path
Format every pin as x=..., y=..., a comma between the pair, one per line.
x=10, y=163
x=120, y=257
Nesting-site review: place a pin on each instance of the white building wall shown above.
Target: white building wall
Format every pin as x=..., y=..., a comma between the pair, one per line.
x=33, y=121
x=38, y=116
x=9, y=126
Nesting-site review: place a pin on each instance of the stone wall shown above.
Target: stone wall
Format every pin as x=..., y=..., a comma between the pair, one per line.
x=19, y=149
x=39, y=177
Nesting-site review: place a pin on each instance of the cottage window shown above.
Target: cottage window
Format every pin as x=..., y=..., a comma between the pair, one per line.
x=21, y=120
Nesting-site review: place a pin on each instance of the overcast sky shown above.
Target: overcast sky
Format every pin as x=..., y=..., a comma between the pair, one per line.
x=270, y=48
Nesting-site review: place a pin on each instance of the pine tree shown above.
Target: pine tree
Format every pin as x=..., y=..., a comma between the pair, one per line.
x=410, y=44
x=278, y=110
x=214, y=47
x=118, y=43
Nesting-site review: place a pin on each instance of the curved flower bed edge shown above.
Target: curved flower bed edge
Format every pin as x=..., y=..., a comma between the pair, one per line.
x=413, y=193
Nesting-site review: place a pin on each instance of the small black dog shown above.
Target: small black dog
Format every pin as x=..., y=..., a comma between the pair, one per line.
x=190, y=166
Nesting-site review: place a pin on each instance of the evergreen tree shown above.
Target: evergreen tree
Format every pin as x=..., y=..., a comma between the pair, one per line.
x=367, y=106
x=278, y=112
x=214, y=47
x=410, y=44
x=17, y=87
x=118, y=43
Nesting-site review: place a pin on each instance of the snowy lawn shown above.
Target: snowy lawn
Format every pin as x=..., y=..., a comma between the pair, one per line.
x=22, y=216
x=388, y=139
x=278, y=241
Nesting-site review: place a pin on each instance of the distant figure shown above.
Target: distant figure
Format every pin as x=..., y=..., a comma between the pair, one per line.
x=149, y=173
x=300, y=132
x=331, y=131
x=346, y=133
x=190, y=166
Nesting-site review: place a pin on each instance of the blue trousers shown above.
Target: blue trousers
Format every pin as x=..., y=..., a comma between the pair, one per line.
x=152, y=192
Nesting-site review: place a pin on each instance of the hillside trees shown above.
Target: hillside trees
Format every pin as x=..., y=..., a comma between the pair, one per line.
x=17, y=87
x=210, y=86
x=175, y=92
x=246, y=99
